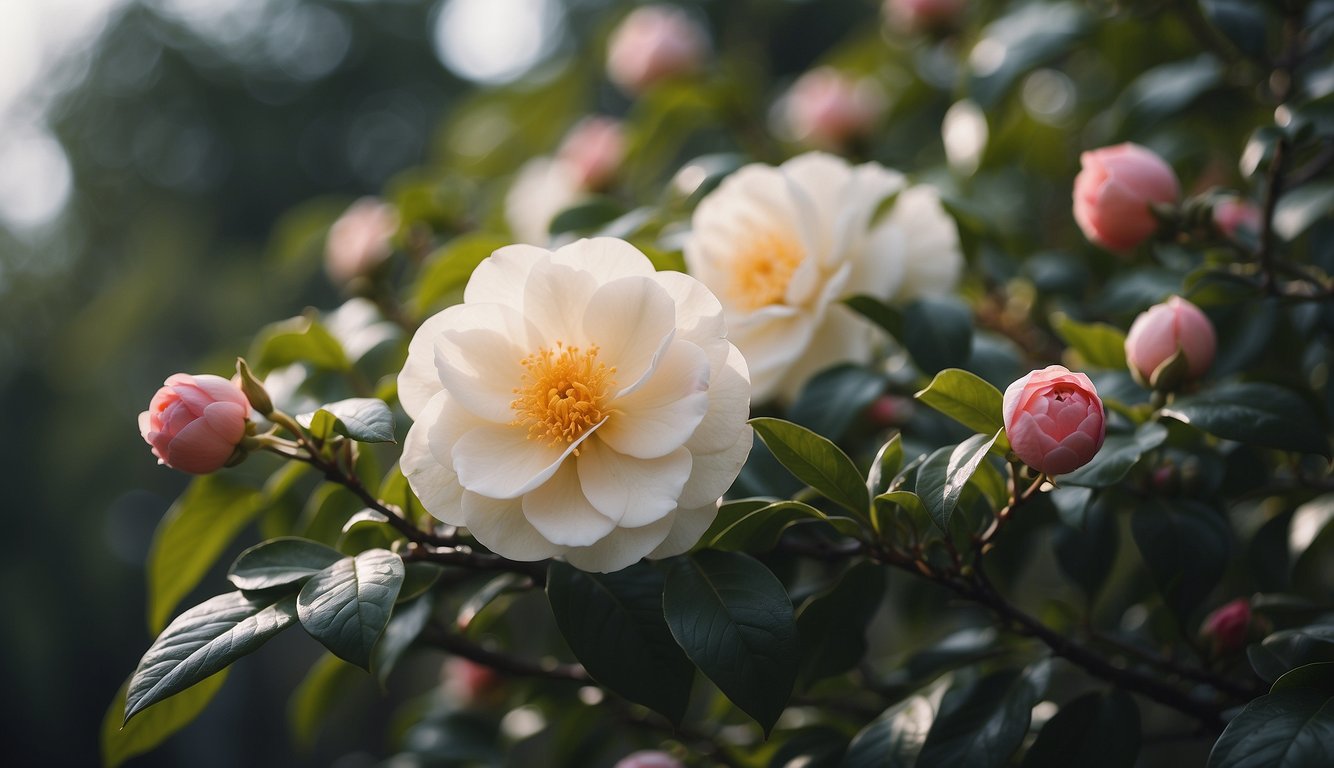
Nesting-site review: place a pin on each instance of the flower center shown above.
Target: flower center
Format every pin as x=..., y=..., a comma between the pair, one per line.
x=564, y=393
x=763, y=268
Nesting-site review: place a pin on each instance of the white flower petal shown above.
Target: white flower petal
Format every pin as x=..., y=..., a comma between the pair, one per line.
x=500, y=278
x=607, y=258
x=622, y=547
x=554, y=301
x=699, y=314
x=499, y=524
x=418, y=381
x=688, y=525
x=729, y=404
x=479, y=358
x=933, y=258
x=632, y=320
x=713, y=473
x=771, y=341
x=543, y=187
x=632, y=492
x=842, y=337
x=503, y=463
x=560, y=512
x=435, y=483
x=660, y=416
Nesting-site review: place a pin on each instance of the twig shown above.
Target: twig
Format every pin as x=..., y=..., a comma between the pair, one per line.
x=502, y=662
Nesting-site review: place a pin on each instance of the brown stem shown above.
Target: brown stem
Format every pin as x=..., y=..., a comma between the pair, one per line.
x=502, y=662
x=477, y=561
x=1174, y=667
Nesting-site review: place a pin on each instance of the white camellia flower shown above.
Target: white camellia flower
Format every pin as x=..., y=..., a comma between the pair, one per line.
x=544, y=187
x=578, y=404
x=781, y=247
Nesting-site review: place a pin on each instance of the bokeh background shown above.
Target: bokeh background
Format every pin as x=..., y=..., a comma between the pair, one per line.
x=168, y=169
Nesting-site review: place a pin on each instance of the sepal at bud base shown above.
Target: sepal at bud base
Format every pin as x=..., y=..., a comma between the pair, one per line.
x=254, y=391
x=1170, y=375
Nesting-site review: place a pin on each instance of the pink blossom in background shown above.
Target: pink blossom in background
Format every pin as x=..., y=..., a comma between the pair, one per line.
x=826, y=108
x=194, y=423
x=594, y=148
x=1236, y=214
x=1227, y=626
x=654, y=43
x=1162, y=329
x=359, y=241
x=1054, y=420
x=1113, y=192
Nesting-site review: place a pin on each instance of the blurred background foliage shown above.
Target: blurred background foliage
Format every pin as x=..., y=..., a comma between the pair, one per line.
x=208, y=146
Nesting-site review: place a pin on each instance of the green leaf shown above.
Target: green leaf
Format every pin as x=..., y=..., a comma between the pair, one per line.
x=279, y=562
x=941, y=480
x=1099, y=344
x=1291, y=728
x=1096, y=730
x=981, y=723
x=734, y=619
x=1289, y=649
x=1317, y=676
x=364, y=419
x=887, y=463
x=1027, y=37
x=831, y=628
x=1252, y=412
x=346, y=606
x=406, y=623
x=969, y=400
x=317, y=694
x=154, y=725
x=1118, y=455
x=938, y=333
x=894, y=739
x=1185, y=544
x=1298, y=209
x=815, y=461
x=191, y=536
x=877, y=312
x=586, y=217
x=755, y=525
x=614, y=624
x=297, y=340
x=202, y=641
x=835, y=398
x=418, y=577
x=1168, y=89
x=906, y=508
x=1087, y=539
x=448, y=269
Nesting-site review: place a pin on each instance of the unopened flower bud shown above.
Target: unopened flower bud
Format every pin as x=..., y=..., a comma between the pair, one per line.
x=1236, y=217
x=890, y=411
x=1226, y=628
x=655, y=43
x=196, y=423
x=594, y=148
x=826, y=108
x=1054, y=420
x=254, y=391
x=358, y=242
x=470, y=684
x=1115, y=190
x=1170, y=344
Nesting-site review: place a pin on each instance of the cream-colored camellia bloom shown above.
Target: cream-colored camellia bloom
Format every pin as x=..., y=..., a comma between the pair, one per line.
x=544, y=187
x=781, y=247
x=576, y=404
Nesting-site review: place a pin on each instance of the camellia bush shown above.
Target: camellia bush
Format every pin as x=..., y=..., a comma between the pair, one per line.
x=961, y=400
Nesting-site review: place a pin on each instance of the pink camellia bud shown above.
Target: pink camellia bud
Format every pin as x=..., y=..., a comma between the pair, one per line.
x=1054, y=420
x=1162, y=330
x=1227, y=626
x=890, y=411
x=194, y=423
x=594, y=148
x=1113, y=192
x=921, y=15
x=359, y=241
x=826, y=108
x=1233, y=215
x=649, y=758
x=654, y=43
x=469, y=683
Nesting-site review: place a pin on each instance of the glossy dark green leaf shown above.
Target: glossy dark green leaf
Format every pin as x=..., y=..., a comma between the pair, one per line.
x=902, y=511
x=1087, y=539
x=447, y=270
x=1168, y=89
x=815, y=746
x=755, y=525
x=586, y=217
x=1025, y=38
x=1118, y=455
x=1291, y=728
x=404, y=626
x=154, y=725
x=1096, y=730
x=959, y=649
x=835, y=398
x=1288, y=649
x=1099, y=344
x=279, y=562
x=191, y=536
x=297, y=340
x=938, y=333
x=347, y=605
x=367, y=529
x=204, y=640
x=614, y=624
x=734, y=619
x=1244, y=22
x=982, y=722
x=894, y=739
x=969, y=400
x=887, y=463
x=831, y=628
x=1300, y=208
x=365, y=419
x=883, y=315
x=418, y=577
x=815, y=461
x=317, y=694
x=942, y=478
x=1254, y=412
x=1318, y=676
x=1185, y=544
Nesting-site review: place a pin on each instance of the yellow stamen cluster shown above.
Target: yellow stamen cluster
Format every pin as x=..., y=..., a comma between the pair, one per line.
x=564, y=393
x=763, y=267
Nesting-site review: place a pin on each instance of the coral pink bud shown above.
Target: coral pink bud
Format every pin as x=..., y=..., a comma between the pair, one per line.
x=649, y=758
x=194, y=423
x=1163, y=329
x=359, y=241
x=1113, y=192
x=653, y=43
x=594, y=148
x=890, y=411
x=826, y=108
x=916, y=15
x=1054, y=420
x=469, y=683
x=1226, y=627
x=1233, y=215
